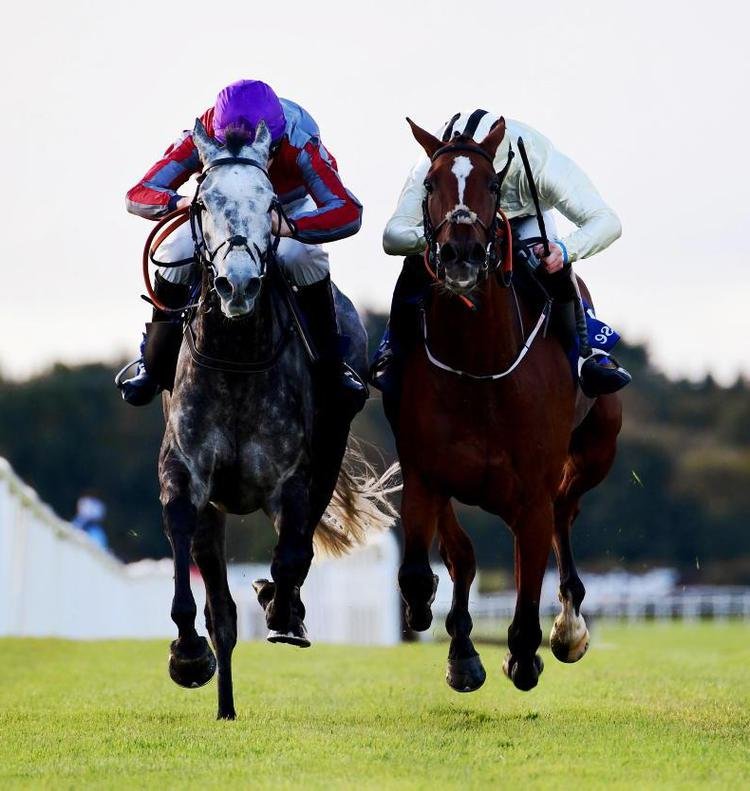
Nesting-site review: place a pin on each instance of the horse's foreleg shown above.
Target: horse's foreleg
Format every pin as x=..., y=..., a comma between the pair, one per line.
x=420, y=508
x=592, y=451
x=465, y=672
x=191, y=661
x=221, y=613
x=292, y=556
x=569, y=638
x=533, y=540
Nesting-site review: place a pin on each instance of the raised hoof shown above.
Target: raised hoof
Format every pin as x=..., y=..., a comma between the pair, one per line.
x=523, y=677
x=419, y=617
x=465, y=675
x=290, y=638
x=568, y=650
x=192, y=670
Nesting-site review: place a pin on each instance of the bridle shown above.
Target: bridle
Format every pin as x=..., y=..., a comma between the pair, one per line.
x=206, y=258
x=496, y=231
x=201, y=253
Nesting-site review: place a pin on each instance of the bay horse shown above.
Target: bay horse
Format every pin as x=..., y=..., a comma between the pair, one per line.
x=244, y=429
x=490, y=415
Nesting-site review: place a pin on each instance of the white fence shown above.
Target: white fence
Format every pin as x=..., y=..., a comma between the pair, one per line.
x=55, y=582
x=616, y=594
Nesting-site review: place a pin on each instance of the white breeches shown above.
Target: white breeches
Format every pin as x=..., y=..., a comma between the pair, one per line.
x=303, y=264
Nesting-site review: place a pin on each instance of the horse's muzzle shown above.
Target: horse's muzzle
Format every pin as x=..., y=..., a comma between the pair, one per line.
x=237, y=297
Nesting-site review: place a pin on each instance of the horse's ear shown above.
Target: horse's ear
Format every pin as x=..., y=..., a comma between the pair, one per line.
x=492, y=142
x=262, y=142
x=207, y=148
x=429, y=142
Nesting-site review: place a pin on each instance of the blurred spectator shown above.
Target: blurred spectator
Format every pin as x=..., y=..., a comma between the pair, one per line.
x=90, y=514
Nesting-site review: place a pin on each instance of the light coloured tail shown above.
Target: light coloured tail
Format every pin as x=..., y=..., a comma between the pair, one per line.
x=360, y=503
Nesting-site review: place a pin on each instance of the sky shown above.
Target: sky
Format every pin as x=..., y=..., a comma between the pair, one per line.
x=650, y=98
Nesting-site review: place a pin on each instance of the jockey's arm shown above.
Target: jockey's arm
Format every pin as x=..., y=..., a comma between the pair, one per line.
x=564, y=186
x=156, y=193
x=338, y=213
x=404, y=234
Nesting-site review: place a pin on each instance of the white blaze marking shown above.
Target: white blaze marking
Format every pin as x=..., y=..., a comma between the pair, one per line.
x=461, y=168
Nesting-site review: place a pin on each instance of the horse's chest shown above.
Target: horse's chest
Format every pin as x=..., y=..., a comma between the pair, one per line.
x=245, y=441
x=486, y=443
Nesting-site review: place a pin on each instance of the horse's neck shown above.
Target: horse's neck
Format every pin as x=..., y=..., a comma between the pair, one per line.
x=244, y=340
x=484, y=340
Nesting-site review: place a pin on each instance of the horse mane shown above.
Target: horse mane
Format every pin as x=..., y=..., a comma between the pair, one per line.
x=236, y=136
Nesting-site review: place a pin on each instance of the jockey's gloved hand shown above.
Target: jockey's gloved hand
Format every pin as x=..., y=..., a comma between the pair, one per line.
x=556, y=260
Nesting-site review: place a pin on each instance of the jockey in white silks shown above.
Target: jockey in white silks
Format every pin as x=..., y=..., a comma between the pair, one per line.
x=561, y=185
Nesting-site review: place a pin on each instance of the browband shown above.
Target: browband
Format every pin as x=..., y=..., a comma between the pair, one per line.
x=475, y=149
x=236, y=161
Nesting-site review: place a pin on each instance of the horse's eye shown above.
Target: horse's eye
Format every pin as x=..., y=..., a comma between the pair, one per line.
x=428, y=186
x=494, y=185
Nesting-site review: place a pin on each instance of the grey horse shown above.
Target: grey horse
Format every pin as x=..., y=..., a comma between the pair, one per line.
x=245, y=426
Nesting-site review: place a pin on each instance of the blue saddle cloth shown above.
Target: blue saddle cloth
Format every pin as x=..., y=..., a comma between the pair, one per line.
x=601, y=336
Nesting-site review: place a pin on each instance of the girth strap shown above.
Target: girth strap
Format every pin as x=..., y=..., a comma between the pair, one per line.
x=234, y=366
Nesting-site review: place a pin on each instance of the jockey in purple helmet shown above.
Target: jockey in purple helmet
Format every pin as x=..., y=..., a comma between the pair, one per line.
x=305, y=178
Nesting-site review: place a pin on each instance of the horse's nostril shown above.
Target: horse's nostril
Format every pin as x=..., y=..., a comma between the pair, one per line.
x=448, y=253
x=476, y=256
x=223, y=287
x=252, y=289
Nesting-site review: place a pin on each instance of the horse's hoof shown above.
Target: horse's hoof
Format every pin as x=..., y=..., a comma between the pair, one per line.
x=419, y=620
x=419, y=616
x=465, y=675
x=523, y=676
x=264, y=590
x=194, y=668
x=569, y=638
x=290, y=638
x=230, y=714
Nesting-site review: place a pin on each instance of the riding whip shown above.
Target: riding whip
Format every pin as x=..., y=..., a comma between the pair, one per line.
x=534, y=195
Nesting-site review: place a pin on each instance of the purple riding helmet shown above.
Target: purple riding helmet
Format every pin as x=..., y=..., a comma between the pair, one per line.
x=242, y=105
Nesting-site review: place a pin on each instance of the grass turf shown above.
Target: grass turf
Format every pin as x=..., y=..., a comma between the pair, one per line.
x=650, y=706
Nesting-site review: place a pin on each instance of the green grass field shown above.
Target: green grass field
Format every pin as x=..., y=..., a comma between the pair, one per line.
x=649, y=706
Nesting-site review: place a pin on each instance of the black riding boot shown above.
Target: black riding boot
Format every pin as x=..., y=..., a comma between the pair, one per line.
x=161, y=342
x=402, y=330
x=319, y=311
x=598, y=372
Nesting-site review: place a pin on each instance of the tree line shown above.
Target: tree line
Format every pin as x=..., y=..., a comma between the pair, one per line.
x=678, y=495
